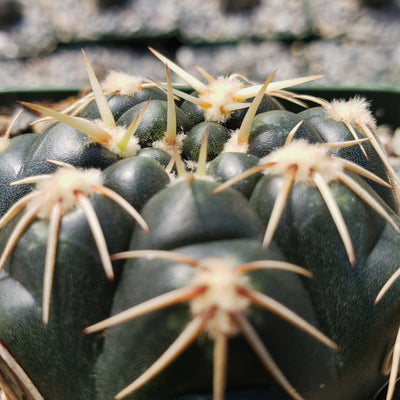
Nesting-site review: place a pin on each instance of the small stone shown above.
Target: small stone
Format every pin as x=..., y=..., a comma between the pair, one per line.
x=203, y=21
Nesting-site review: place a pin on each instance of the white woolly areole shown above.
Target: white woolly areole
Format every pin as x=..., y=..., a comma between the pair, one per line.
x=190, y=165
x=353, y=111
x=116, y=134
x=232, y=145
x=4, y=143
x=62, y=186
x=167, y=147
x=222, y=282
x=220, y=93
x=308, y=157
x=122, y=83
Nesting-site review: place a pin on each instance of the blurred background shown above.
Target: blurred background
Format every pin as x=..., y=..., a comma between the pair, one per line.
x=353, y=42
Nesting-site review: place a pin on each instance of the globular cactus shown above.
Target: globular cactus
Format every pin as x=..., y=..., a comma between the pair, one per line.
x=199, y=242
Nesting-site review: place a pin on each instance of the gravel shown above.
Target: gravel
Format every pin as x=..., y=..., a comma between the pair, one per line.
x=353, y=44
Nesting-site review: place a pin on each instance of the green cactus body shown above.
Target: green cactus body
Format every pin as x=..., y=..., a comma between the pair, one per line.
x=269, y=131
x=218, y=136
x=187, y=212
x=53, y=144
x=12, y=160
x=228, y=165
x=154, y=123
x=122, y=103
x=198, y=244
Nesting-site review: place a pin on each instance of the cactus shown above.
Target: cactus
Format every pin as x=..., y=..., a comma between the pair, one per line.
x=198, y=242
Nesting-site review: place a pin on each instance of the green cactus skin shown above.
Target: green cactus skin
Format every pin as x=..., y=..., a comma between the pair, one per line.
x=12, y=161
x=193, y=111
x=187, y=212
x=63, y=143
x=158, y=155
x=269, y=130
x=154, y=123
x=122, y=103
x=265, y=186
x=218, y=136
x=136, y=179
x=228, y=165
